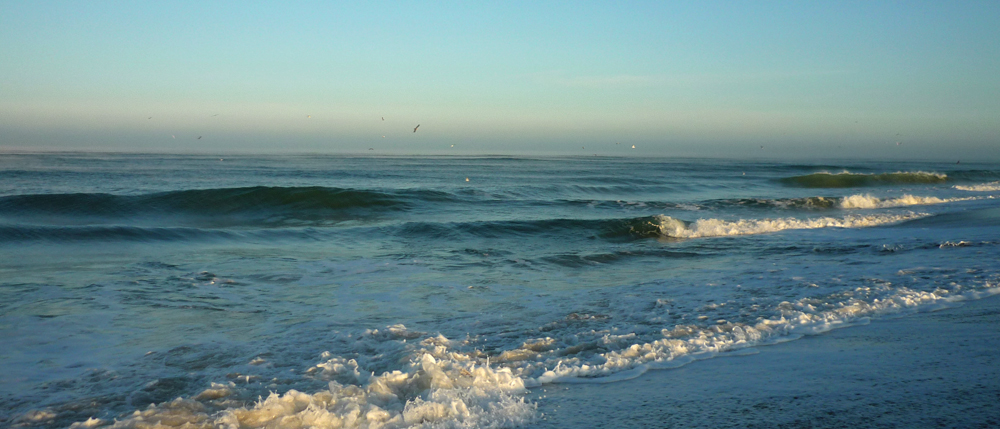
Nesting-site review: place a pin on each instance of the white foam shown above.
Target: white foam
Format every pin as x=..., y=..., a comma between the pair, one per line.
x=671, y=227
x=869, y=202
x=89, y=423
x=983, y=187
x=686, y=343
x=437, y=388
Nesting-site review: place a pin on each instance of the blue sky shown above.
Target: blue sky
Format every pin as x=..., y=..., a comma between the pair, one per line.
x=672, y=78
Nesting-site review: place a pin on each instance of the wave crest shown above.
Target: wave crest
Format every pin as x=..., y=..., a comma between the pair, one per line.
x=674, y=228
x=869, y=202
x=983, y=187
x=847, y=179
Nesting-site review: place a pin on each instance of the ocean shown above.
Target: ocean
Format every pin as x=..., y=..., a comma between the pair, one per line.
x=149, y=290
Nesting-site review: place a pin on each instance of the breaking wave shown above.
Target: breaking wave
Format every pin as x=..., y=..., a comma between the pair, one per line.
x=847, y=179
x=983, y=187
x=674, y=228
x=870, y=202
x=445, y=385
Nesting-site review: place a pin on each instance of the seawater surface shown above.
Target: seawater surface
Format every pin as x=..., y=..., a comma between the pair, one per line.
x=332, y=291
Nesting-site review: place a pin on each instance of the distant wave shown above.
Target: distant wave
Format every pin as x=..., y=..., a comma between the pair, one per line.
x=847, y=179
x=856, y=201
x=87, y=233
x=670, y=227
x=251, y=205
x=983, y=187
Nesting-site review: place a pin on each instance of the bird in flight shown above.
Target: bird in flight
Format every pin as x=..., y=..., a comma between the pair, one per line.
x=415, y=128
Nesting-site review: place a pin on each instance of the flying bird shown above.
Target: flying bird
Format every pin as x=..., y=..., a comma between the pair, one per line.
x=199, y=137
x=415, y=128
x=383, y=118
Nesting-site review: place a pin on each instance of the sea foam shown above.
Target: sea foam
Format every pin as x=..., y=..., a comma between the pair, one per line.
x=437, y=388
x=670, y=227
x=983, y=187
x=869, y=202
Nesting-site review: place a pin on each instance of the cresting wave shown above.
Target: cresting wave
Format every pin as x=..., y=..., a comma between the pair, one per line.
x=870, y=202
x=847, y=179
x=857, y=201
x=674, y=228
x=983, y=187
x=255, y=205
x=444, y=384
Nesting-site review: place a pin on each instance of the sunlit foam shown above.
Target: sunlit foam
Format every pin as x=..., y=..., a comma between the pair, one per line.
x=670, y=227
x=869, y=202
x=983, y=187
x=437, y=388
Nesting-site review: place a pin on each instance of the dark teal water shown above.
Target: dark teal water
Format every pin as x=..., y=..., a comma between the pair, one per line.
x=441, y=288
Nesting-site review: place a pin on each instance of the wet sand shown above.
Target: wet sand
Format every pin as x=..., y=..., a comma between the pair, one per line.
x=938, y=369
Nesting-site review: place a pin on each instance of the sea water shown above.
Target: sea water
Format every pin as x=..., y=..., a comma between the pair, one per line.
x=146, y=291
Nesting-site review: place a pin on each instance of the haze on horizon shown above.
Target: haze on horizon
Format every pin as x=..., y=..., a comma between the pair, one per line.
x=890, y=80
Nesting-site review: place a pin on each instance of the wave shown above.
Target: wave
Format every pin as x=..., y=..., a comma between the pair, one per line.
x=847, y=179
x=252, y=205
x=667, y=226
x=11, y=234
x=982, y=187
x=451, y=383
x=658, y=226
x=870, y=202
x=803, y=203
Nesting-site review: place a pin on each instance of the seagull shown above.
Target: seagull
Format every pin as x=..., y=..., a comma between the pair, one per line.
x=383, y=118
x=415, y=128
x=199, y=137
x=150, y=117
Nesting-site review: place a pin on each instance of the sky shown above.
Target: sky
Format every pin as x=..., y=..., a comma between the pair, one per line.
x=882, y=79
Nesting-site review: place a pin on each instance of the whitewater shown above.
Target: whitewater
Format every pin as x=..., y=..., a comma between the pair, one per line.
x=154, y=291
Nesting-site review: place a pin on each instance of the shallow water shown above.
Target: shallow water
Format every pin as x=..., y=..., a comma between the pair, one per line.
x=384, y=291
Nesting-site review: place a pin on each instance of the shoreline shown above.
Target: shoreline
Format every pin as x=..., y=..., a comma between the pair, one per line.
x=934, y=369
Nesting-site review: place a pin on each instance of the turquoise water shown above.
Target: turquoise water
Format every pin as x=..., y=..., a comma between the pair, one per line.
x=400, y=291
